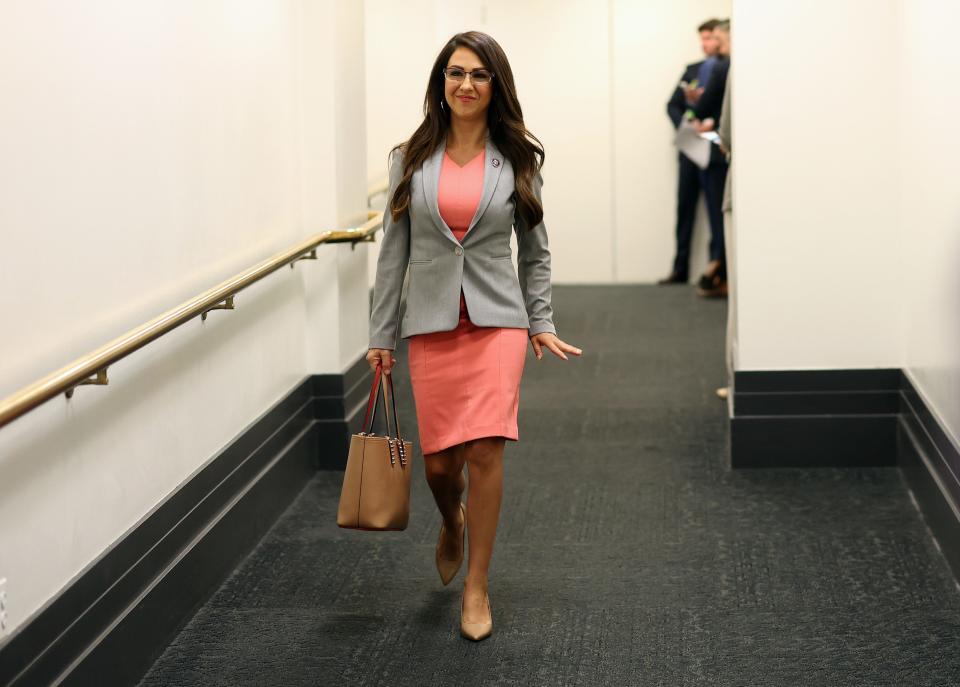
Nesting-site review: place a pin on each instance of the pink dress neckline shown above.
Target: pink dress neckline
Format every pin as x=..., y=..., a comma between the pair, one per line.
x=476, y=157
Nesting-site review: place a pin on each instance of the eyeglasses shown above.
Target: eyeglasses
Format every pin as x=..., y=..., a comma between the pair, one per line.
x=479, y=77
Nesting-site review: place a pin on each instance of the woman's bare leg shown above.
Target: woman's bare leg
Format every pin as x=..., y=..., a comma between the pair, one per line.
x=484, y=459
x=444, y=471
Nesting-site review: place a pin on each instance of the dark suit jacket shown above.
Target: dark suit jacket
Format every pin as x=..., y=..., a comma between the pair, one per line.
x=711, y=102
x=677, y=104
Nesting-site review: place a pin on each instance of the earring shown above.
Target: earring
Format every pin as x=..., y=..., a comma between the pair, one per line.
x=442, y=105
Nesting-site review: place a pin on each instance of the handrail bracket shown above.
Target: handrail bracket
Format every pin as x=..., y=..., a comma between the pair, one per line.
x=100, y=379
x=312, y=255
x=226, y=305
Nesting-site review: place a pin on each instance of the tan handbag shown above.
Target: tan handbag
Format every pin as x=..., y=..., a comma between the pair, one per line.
x=376, y=484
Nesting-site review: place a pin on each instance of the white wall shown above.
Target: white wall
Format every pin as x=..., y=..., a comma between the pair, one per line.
x=150, y=150
x=593, y=79
x=333, y=186
x=816, y=184
x=929, y=274
x=848, y=216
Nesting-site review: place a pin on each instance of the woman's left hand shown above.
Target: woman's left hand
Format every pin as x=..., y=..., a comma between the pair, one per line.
x=548, y=340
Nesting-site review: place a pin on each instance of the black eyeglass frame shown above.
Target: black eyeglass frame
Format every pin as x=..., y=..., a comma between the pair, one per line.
x=466, y=74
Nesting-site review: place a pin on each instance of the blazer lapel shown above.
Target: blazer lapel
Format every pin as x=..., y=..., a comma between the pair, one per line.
x=492, y=165
x=431, y=186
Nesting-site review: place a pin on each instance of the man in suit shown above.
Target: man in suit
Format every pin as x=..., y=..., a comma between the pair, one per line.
x=692, y=85
x=706, y=115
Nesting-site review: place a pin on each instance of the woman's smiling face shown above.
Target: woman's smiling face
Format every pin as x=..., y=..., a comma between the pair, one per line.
x=467, y=99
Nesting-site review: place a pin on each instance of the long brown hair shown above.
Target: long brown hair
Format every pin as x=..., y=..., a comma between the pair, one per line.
x=504, y=123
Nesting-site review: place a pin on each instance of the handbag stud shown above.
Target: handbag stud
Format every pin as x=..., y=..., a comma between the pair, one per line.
x=391, y=448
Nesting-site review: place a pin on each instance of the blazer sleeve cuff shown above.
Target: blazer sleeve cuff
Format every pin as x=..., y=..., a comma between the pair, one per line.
x=541, y=328
x=383, y=342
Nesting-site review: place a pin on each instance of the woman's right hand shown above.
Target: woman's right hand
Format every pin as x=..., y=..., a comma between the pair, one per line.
x=383, y=356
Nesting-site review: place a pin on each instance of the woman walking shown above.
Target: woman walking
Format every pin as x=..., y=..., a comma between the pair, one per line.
x=467, y=177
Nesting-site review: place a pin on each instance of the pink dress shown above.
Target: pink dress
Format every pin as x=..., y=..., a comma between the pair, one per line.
x=466, y=382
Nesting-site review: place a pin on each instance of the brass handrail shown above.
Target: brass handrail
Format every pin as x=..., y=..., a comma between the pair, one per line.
x=92, y=368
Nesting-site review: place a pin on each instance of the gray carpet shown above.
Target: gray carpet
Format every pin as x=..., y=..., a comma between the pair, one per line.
x=627, y=554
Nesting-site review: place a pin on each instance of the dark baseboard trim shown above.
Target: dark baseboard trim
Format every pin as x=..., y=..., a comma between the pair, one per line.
x=849, y=418
x=815, y=418
x=813, y=441
x=116, y=617
x=930, y=464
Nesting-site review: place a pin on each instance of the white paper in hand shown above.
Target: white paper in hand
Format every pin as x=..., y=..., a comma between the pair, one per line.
x=690, y=143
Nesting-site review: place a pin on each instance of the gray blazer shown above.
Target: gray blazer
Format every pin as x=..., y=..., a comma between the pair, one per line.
x=439, y=264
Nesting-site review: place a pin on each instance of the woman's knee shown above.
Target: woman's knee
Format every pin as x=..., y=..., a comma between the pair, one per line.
x=442, y=464
x=485, y=453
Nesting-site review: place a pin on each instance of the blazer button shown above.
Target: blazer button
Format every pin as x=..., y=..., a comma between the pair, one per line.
x=458, y=250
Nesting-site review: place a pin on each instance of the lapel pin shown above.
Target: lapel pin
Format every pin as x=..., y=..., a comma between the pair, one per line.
x=496, y=162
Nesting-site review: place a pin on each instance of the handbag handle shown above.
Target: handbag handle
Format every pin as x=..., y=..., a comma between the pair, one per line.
x=396, y=444
x=388, y=400
x=393, y=405
x=372, y=401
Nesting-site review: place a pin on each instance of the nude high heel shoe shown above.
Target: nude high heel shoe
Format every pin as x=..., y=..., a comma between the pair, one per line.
x=448, y=569
x=477, y=631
